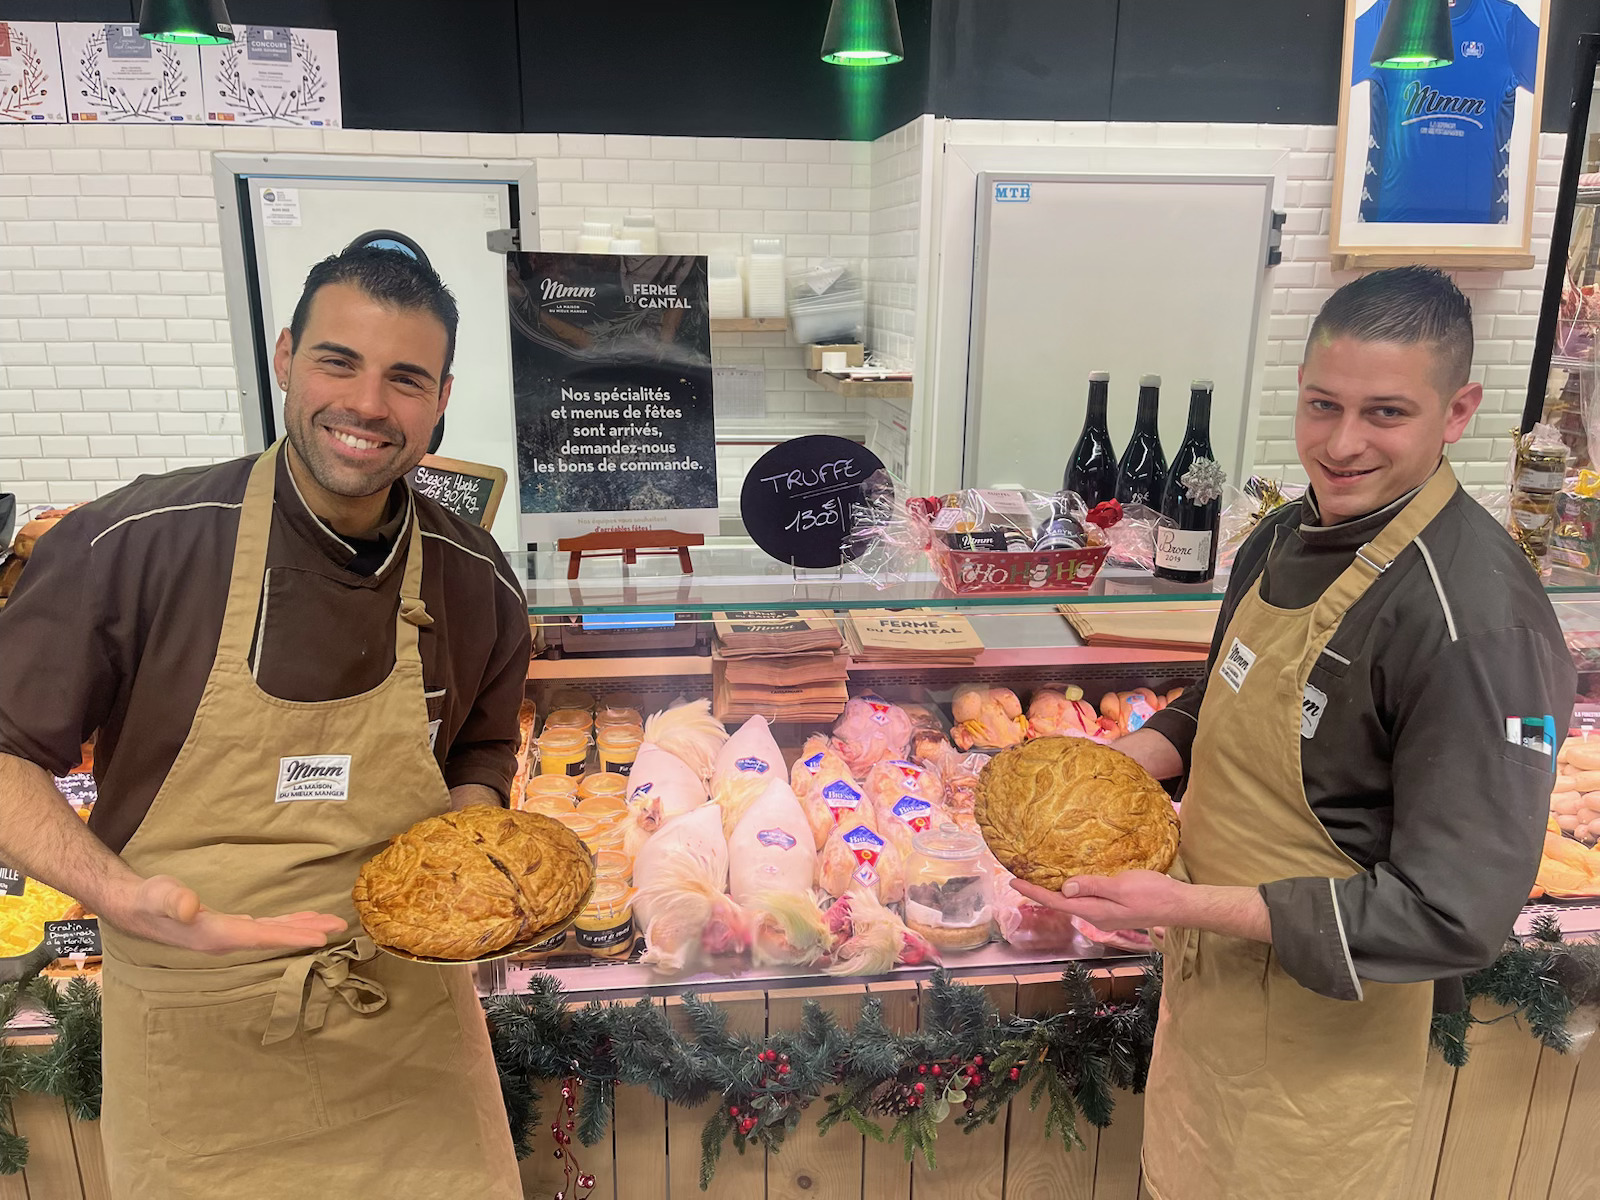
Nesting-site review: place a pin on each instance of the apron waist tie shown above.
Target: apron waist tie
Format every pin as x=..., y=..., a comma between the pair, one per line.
x=328, y=975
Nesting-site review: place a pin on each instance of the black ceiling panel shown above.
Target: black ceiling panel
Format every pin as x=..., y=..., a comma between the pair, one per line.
x=1228, y=60
x=1018, y=59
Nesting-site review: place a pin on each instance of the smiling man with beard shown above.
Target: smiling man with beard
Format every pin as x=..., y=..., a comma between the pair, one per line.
x=285, y=660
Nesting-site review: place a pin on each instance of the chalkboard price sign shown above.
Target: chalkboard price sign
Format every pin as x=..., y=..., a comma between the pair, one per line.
x=796, y=500
x=80, y=936
x=80, y=789
x=470, y=490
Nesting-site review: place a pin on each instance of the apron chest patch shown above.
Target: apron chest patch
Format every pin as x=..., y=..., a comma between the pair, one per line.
x=1236, y=664
x=314, y=777
x=1312, y=705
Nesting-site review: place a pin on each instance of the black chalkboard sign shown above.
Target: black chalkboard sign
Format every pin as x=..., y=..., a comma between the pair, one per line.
x=796, y=499
x=80, y=789
x=79, y=936
x=12, y=881
x=470, y=490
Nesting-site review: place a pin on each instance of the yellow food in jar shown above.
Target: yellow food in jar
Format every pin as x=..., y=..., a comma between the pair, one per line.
x=550, y=793
x=605, y=927
x=563, y=751
x=619, y=747
x=603, y=785
x=613, y=864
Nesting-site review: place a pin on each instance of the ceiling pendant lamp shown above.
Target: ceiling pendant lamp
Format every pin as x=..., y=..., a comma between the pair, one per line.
x=188, y=22
x=862, y=33
x=1415, y=34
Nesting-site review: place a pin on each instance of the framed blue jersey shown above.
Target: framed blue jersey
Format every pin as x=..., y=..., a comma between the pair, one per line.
x=1439, y=140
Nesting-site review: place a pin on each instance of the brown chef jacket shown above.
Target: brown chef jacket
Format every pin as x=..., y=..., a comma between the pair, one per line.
x=115, y=622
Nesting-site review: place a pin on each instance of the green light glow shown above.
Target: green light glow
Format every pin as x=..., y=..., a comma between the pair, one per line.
x=187, y=37
x=1414, y=36
x=862, y=33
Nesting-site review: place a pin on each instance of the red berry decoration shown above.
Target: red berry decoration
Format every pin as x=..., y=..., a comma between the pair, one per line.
x=977, y=1060
x=1015, y=1074
x=783, y=1068
x=919, y=1088
x=586, y=1181
x=733, y=1110
x=922, y=1070
x=936, y=1070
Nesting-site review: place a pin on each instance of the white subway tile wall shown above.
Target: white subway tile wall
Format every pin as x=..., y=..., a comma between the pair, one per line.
x=1505, y=303
x=115, y=359
x=114, y=352
x=892, y=256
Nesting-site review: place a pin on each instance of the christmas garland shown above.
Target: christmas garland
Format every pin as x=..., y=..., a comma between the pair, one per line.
x=965, y=1064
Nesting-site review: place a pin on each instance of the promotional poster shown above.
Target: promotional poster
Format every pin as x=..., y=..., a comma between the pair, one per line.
x=274, y=75
x=611, y=369
x=30, y=73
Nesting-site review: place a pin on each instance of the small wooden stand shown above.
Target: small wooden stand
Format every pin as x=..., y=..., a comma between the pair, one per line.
x=629, y=546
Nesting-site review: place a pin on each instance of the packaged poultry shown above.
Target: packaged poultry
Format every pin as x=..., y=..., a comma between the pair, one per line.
x=869, y=731
x=690, y=732
x=1123, y=712
x=987, y=717
x=868, y=939
x=771, y=849
x=856, y=852
x=661, y=787
x=906, y=800
x=1062, y=712
x=750, y=750
x=824, y=786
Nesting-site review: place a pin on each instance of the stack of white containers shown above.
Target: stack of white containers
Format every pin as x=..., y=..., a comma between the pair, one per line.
x=595, y=237
x=724, y=286
x=764, y=294
x=641, y=227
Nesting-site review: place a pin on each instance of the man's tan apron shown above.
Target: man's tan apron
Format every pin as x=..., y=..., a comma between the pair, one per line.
x=262, y=1074
x=1259, y=1088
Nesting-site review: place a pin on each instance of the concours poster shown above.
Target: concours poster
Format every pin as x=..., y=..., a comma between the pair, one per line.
x=611, y=370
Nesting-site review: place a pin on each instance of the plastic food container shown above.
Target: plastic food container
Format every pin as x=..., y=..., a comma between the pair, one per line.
x=570, y=718
x=550, y=793
x=947, y=890
x=571, y=698
x=605, y=927
x=603, y=785
x=563, y=751
x=605, y=806
x=613, y=864
x=619, y=715
x=619, y=746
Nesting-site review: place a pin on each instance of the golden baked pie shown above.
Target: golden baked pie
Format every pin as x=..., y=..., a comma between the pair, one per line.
x=469, y=883
x=1057, y=807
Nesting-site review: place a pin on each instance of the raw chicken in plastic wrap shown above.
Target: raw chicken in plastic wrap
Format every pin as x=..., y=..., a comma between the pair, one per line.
x=929, y=730
x=824, y=786
x=690, y=732
x=750, y=750
x=771, y=850
x=1062, y=712
x=857, y=853
x=868, y=939
x=869, y=731
x=987, y=717
x=679, y=880
x=787, y=928
x=958, y=776
x=661, y=786
x=906, y=799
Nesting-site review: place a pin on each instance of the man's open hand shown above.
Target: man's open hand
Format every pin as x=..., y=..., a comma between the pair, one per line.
x=165, y=911
x=1128, y=900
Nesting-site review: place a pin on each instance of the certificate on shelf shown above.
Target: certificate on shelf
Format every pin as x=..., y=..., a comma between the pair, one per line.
x=114, y=75
x=273, y=75
x=30, y=74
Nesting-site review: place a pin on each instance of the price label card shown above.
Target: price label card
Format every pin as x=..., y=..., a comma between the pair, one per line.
x=471, y=491
x=80, y=789
x=797, y=499
x=75, y=937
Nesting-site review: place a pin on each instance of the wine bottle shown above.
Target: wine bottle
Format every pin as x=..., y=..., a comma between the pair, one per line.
x=1092, y=470
x=1191, y=506
x=1142, y=473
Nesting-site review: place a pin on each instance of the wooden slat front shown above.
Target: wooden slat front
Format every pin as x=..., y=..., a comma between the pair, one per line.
x=14, y=1187
x=1488, y=1111
x=52, y=1159
x=885, y=1174
x=1116, y=1166
x=91, y=1159
x=1547, y=1118
x=1427, y=1130
x=543, y=1175
x=970, y=1166
x=1576, y=1176
x=640, y=1130
x=1037, y=1167
x=812, y=1166
x=739, y=1176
